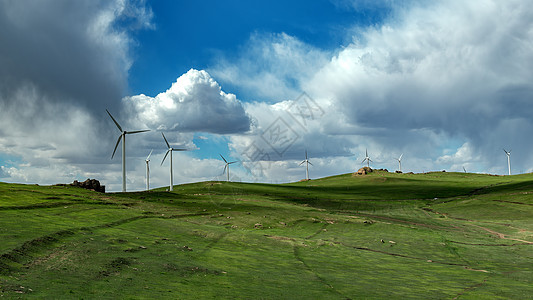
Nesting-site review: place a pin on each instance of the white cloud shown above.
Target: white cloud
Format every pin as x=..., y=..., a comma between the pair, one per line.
x=271, y=66
x=195, y=102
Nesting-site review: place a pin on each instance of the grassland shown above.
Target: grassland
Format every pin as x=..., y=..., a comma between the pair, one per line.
x=379, y=236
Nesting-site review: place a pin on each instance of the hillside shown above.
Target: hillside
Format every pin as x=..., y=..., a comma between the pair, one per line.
x=382, y=235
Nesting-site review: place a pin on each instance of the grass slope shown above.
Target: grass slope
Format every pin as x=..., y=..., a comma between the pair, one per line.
x=383, y=235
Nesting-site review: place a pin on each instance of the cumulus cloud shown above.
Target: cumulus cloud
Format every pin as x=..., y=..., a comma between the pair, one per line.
x=195, y=102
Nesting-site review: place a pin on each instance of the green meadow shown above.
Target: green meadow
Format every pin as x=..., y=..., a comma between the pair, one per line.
x=378, y=236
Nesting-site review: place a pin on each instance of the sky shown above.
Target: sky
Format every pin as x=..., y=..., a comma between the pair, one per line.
x=448, y=84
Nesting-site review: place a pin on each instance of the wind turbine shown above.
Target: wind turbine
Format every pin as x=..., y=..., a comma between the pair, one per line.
x=227, y=165
x=170, y=149
x=123, y=138
x=307, y=163
x=508, y=159
x=400, y=162
x=367, y=159
x=148, y=170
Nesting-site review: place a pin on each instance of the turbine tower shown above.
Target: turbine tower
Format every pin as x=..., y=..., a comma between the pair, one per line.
x=307, y=163
x=508, y=159
x=123, y=138
x=367, y=159
x=227, y=165
x=170, y=149
x=148, y=171
x=400, y=162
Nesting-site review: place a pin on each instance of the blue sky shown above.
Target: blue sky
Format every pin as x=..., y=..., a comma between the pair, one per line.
x=447, y=83
x=193, y=34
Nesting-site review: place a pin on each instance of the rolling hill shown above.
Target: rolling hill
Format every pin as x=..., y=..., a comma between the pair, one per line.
x=383, y=235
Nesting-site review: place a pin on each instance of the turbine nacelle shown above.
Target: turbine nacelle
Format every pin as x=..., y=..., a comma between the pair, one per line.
x=170, y=149
x=148, y=157
x=507, y=152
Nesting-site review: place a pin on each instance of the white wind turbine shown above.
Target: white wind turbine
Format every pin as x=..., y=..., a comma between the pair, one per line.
x=170, y=149
x=227, y=165
x=508, y=159
x=367, y=159
x=400, y=163
x=307, y=163
x=148, y=170
x=123, y=138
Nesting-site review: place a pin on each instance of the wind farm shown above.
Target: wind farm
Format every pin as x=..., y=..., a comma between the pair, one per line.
x=189, y=241
x=238, y=91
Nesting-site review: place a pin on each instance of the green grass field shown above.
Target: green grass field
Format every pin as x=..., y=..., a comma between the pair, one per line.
x=378, y=236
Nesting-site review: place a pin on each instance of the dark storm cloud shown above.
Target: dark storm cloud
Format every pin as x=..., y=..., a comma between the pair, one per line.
x=61, y=64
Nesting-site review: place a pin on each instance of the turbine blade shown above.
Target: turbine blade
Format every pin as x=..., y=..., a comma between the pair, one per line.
x=225, y=166
x=302, y=162
x=363, y=160
x=116, y=123
x=148, y=158
x=116, y=146
x=223, y=158
x=306, y=154
x=233, y=162
x=137, y=131
x=310, y=163
x=168, y=145
x=165, y=157
x=179, y=149
x=366, y=152
x=400, y=157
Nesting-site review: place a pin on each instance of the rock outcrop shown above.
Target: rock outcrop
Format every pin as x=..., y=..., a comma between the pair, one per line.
x=90, y=184
x=363, y=171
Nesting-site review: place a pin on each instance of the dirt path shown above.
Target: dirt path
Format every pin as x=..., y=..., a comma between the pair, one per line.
x=501, y=235
x=513, y=202
x=498, y=234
